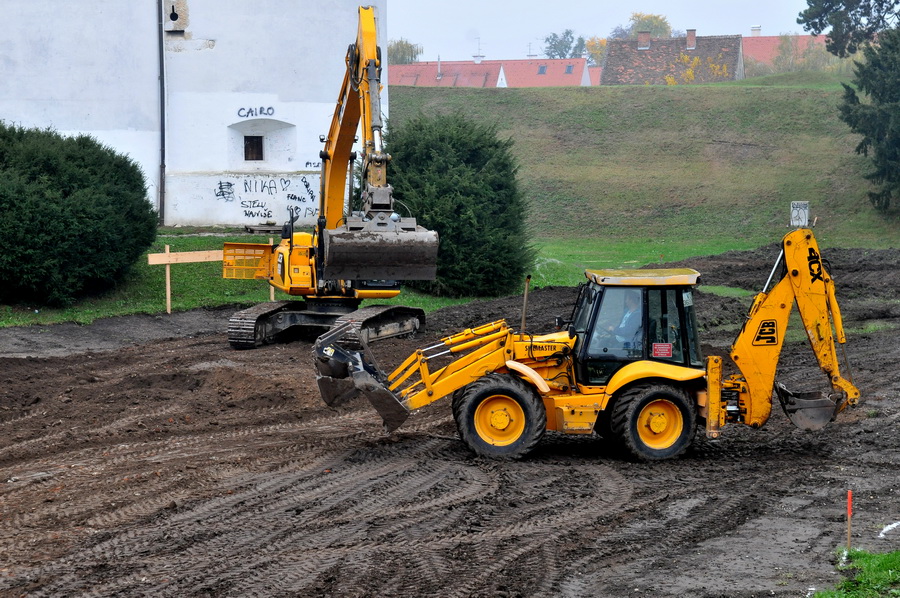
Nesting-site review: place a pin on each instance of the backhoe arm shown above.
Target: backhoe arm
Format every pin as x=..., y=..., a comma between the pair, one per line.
x=757, y=349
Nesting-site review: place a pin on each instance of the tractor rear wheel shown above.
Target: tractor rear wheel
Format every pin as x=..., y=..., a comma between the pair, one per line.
x=499, y=416
x=654, y=421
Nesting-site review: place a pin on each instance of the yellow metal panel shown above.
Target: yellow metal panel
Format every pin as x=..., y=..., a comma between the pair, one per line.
x=575, y=420
x=657, y=277
x=640, y=370
x=376, y=294
x=246, y=261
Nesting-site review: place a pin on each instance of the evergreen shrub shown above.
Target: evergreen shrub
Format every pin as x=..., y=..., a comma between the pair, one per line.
x=457, y=177
x=74, y=216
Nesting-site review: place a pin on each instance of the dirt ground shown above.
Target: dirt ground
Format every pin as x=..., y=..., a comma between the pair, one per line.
x=142, y=456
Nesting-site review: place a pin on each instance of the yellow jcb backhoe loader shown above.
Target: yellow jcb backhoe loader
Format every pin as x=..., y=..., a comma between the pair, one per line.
x=347, y=258
x=627, y=364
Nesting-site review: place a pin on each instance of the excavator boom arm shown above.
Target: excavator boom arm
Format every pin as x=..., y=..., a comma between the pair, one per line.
x=359, y=100
x=373, y=243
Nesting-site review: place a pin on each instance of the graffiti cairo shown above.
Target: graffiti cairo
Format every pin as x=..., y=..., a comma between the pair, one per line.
x=268, y=198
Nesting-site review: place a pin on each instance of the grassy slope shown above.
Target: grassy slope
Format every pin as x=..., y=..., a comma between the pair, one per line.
x=614, y=176
x=641, y=174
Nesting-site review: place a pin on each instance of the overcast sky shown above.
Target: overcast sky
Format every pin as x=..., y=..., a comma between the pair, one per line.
x=508, y=29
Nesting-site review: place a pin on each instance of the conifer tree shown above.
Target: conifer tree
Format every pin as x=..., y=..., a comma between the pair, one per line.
x=878, y=118
x=458, y=178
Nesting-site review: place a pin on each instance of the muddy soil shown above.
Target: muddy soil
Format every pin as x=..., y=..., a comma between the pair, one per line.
x=142, y=456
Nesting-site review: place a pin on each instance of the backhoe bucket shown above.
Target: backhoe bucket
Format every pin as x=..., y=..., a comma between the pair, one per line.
x=343, y=374
x=808, y=410
x=395, y=253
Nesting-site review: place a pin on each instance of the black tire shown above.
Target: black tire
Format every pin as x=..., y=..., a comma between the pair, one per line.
x=499, y=416
x=654, y=421
x=603, y=427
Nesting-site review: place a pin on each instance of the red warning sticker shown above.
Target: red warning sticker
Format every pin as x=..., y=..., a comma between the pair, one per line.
x=662, y=349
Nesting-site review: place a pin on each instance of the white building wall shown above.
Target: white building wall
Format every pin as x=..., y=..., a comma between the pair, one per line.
x=232, y=69
x=85, y=67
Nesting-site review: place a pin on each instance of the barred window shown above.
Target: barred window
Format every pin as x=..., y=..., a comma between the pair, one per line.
x=253, y=147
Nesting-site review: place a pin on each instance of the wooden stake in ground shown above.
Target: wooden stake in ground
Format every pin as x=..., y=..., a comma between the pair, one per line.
x=168, y=285
x=182, y=257
x=849, y=516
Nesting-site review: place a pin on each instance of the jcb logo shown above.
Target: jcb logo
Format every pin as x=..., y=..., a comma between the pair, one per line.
x=767, y=334
x=815, y=266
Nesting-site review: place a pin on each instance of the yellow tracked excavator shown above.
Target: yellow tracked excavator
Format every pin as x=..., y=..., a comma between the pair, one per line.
x=347, y=258
x=627, y=365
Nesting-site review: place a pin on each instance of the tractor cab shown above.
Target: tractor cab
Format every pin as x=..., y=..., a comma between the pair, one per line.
x=623, y=316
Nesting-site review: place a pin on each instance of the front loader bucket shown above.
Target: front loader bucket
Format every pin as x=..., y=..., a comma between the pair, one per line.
x=393, y=413
x=343, y=374
x=808, y=410
x=372, y=254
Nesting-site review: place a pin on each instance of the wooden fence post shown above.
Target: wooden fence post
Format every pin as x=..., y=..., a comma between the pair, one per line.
x=183, y=257
x=168, y=285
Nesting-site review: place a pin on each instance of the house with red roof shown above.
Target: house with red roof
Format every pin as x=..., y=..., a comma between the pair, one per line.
x=570, y=72
x=765, y=48
x=676, y=60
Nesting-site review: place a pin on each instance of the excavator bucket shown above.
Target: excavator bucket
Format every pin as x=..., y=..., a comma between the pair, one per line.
x=395, y=253
x=808, y=410
x=346, y=369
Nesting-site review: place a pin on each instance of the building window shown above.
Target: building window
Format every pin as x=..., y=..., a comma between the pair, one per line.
x=542, y=70
x=253, y=147
x=569, y=69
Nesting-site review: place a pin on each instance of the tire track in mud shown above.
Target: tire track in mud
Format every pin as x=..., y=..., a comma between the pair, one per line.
x=264, y=492
x=132, y=480
x=421, y=503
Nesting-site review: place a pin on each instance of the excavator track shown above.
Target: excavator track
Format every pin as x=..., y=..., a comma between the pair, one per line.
x=378, y=322
x=260, y=324
x=247, y=328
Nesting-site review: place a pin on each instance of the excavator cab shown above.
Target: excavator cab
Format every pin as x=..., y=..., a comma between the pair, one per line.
x=622, y=317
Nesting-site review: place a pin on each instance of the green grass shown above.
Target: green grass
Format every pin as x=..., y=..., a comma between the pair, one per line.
x=727, y=291
x=675, y=171
x=613, y=177
x=143, y=291
x=193, y=285
x=874, y=576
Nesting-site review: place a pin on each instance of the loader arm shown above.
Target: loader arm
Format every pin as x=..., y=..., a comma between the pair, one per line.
x=343, y=374
x=757, y=349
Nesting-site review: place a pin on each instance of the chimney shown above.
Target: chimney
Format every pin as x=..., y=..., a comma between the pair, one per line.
x=756, y=31
x=478, y=58
x=691, y=39
x=643, y=40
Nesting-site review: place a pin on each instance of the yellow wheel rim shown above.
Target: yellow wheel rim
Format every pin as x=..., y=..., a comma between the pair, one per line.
x=660, y=424
x=499, y=420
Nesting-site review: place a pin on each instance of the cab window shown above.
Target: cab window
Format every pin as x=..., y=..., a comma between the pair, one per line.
x=665, y=326
x=618, y=328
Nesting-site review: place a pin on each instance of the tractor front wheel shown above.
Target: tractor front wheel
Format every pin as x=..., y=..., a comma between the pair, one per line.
x=499, y=416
